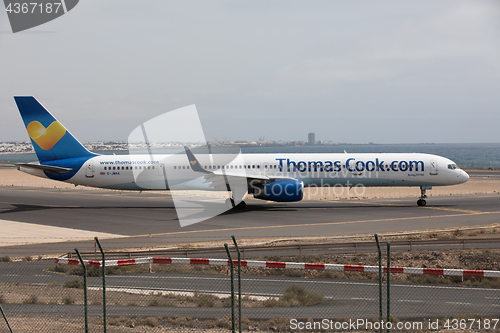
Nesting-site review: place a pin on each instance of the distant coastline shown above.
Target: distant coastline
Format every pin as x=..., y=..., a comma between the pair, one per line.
x=481, y=156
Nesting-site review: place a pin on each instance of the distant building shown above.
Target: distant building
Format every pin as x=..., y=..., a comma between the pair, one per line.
x=311, y=139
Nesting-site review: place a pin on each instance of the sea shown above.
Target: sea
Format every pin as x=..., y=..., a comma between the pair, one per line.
x=466, y=155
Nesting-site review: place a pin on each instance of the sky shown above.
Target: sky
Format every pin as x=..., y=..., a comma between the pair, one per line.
x=350, y=71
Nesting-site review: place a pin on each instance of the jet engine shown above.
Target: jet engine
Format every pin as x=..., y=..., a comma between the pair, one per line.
x=280, y=191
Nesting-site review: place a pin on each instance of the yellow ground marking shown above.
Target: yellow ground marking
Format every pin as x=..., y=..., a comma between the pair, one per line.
x=463, y=213
x=428, y=207
x=310, y=224
x=455, y=210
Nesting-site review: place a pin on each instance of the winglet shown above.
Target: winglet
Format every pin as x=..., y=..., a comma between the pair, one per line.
x=193, y=161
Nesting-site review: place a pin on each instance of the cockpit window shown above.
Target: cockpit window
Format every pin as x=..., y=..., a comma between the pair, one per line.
x=452, y=166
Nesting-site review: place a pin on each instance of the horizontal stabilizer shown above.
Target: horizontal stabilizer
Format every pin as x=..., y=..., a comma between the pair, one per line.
x=49, y=168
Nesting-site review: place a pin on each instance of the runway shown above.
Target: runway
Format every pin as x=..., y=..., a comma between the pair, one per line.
x=138, y=220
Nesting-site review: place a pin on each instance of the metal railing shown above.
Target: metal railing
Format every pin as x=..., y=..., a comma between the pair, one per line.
x=202, y=290
x=352, y=247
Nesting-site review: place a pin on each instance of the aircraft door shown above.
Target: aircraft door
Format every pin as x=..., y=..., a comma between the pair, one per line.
x=89, y=166
x=434, y=168
x=160, y=169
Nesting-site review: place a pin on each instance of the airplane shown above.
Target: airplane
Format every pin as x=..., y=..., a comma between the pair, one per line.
x=277, y=177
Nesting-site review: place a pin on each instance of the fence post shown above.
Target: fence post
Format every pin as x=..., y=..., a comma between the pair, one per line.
x=232, y=287
x=379, y=279
x=103, y=284
x=5, y=317
x=239, y=282
x=84, y=290
x=388, y=282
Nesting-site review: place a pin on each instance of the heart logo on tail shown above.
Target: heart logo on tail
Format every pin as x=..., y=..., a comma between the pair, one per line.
x=46, y=138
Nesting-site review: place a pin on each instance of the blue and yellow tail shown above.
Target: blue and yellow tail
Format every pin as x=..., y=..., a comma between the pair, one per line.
x=51, y=140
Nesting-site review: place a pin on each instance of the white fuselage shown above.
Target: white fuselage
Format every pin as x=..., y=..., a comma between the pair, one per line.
x=159, y=172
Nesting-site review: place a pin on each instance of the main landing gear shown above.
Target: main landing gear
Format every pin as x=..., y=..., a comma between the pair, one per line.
x=421, y=201
x=231, y=205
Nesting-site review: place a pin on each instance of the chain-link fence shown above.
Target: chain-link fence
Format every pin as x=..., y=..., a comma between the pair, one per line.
x=176, y=295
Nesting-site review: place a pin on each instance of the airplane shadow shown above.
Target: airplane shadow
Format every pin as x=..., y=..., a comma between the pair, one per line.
x=250, y=208
x=25, y=208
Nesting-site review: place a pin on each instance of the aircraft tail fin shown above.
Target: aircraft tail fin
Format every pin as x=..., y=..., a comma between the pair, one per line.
x=49, y=137
x=195, y=165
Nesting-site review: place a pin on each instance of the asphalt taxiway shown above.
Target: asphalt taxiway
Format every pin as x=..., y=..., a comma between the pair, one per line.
x=132, y=219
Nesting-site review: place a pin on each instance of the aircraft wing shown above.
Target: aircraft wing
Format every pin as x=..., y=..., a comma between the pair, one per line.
x=219, y=179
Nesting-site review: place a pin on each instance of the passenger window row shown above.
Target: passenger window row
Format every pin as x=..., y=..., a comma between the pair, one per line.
x=140, y=167
x=215, y=167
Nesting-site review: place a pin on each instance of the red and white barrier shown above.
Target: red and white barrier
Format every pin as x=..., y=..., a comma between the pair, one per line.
x=289, y=265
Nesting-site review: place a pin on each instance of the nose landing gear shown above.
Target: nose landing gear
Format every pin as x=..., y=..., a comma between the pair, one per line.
x=421, y=201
